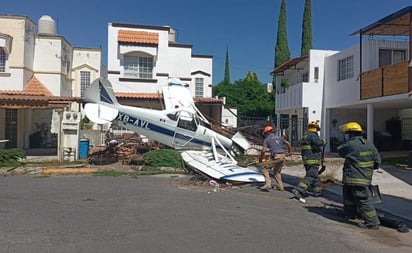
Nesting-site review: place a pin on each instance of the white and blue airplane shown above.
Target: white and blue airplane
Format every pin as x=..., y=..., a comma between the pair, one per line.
x=180, y=125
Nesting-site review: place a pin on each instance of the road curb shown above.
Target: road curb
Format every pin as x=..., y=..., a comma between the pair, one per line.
x=68, y=170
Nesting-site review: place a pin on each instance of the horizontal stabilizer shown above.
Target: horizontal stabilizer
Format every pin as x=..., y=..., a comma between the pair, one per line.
x=100, y=114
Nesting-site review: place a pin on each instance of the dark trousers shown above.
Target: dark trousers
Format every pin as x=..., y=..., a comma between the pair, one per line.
x=357, y=202
x=311, y=180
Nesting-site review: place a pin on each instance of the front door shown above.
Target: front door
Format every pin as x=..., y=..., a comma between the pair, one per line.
x=10, y=126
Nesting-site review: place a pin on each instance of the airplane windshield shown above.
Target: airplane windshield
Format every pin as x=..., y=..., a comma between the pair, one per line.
x=186, y=121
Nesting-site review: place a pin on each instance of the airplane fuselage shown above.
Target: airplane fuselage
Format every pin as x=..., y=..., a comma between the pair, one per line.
x=174, y=128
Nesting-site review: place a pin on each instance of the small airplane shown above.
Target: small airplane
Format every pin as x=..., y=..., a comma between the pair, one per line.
x=180, y=125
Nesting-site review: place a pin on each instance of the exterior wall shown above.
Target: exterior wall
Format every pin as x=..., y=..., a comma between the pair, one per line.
x=349, y=89
x=228, y=119
x=170, y=60
x=52, y=64
x=370, y=51
x=20, y=60
x=84, y=59
x=202, y=67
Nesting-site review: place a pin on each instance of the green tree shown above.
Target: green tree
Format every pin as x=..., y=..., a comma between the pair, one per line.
x=227, y=73
x=248, y=95
x=282, y=52
x=306, y=29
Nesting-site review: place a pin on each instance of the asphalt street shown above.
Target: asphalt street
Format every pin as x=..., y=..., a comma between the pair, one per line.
x=85, y=213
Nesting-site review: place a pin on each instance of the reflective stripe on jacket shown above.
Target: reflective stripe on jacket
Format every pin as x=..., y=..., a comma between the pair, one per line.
x=311, y=148
x=361, y=158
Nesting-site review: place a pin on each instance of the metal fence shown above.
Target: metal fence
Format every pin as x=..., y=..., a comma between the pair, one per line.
x=290, y=128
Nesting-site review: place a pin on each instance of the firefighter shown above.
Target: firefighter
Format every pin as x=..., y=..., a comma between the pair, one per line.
x=361, y=159
x=276, y=160
x=311, y=149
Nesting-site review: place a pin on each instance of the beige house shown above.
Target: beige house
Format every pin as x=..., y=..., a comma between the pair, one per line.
x=41, y=75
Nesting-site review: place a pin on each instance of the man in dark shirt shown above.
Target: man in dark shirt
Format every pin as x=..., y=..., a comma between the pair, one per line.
x=276, y=159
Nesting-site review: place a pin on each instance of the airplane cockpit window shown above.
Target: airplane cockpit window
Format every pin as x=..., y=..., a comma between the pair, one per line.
x=172, y=116
x=186, y=121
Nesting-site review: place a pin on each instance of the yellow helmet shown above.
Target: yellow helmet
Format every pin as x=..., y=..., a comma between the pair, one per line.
x=351, y=127
x=313, y=126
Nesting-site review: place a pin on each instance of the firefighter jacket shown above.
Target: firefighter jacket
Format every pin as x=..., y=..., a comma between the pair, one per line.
x=361, y=158
x=311, y=148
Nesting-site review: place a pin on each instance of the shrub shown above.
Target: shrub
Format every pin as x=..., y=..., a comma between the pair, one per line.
x=10, y=157
x=163, y=158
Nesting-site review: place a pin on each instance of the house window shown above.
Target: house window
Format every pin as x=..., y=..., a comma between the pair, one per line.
x=345, y=68
x=199, y=87
x=391, y=56
x=316, y=74
x=2, y=60
x=305, y=77
x=84, y=81
x=138, y=67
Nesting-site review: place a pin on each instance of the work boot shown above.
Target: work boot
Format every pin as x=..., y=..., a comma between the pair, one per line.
x=274, y=186
x=368, y=226
x=266, y=187
x=297, y=194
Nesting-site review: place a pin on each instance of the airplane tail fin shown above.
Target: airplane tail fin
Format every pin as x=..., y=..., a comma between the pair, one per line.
x=100, y=91
x=99, y=102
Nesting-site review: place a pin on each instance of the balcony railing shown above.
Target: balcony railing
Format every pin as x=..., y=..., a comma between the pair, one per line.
x=385, y=81
x=290, y=97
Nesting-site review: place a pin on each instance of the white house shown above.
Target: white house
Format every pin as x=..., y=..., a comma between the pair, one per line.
x=142, y=58
x=369, y=83
x=40, y=73
x=299, y=92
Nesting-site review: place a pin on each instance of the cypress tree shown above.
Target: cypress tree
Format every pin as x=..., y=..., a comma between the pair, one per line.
x=226, y=80
x=306, y=29
x=282, y=53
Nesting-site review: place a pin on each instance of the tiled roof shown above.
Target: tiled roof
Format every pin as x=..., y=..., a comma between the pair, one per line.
x=289, y=64
x=33, y=88
x=160, y=96
x=208, y=100
x=138, y=95
x=33, y=101
x=128, y=36
x=35, y=95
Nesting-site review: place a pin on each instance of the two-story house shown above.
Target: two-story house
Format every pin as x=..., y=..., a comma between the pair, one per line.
x=41, y=75
x=369, y=83
x=142, y=58
x=299, y=93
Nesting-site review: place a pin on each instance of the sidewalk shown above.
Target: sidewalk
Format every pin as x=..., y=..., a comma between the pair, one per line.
x=396, y=193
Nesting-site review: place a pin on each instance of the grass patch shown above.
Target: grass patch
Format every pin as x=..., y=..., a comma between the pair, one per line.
x=109, y=173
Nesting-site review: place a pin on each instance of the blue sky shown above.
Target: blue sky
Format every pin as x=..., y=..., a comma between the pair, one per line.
x=247, y=28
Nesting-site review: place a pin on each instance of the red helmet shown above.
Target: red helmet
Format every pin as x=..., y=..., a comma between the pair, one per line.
x=268, y=129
